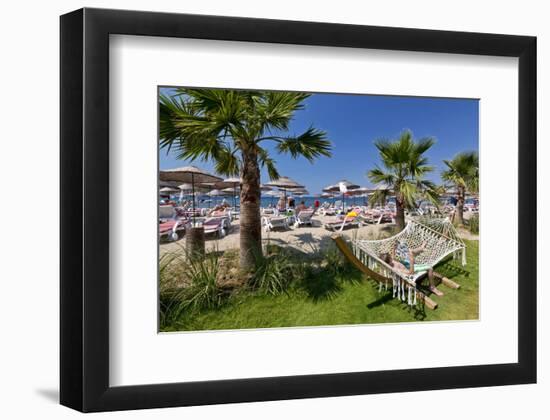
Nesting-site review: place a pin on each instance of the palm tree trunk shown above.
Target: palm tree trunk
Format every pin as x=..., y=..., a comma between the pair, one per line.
x=460, y=206
x=399, y=214
x=250, y=221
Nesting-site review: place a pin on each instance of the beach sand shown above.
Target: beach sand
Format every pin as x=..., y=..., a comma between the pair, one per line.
x=307, y=239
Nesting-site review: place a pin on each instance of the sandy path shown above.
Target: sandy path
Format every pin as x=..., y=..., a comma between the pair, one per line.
x=305, y=238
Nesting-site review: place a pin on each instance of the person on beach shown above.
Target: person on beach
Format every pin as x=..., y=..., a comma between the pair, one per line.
x=402, y=258
x=291, y=202
x=281, y=204
x=302, y=206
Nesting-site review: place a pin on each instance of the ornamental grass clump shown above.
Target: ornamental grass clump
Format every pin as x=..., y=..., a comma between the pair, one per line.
x=473, y=224
x=274, y=273
x=203, y=291
x=334, y=262
x=171, y=299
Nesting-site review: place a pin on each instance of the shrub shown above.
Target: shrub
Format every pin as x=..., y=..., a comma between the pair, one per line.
x=199, y=291
x=273, y=274
x=473, y=224
x=171, y=302
x=203, y=291
x=334, y=262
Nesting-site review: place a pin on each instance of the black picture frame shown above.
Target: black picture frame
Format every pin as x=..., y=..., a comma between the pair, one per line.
x=84, y=298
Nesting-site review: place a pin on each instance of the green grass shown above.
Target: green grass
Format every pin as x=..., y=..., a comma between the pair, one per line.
x=348, y=298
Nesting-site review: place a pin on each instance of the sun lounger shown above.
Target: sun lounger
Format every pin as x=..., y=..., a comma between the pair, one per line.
x=275, y=222
x=341, y=224
x=171, y=230
x=364, y=219
x=269, y=211
x=218, y=226
x=304, y=218
x=221, y=213
x=327, y=210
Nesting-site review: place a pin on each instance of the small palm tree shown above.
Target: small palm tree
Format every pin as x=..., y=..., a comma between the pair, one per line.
x=403, y=171
x=463, y=173
x=230, y=127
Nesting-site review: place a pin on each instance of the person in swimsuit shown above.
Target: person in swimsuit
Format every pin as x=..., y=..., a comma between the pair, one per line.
x=403, y=259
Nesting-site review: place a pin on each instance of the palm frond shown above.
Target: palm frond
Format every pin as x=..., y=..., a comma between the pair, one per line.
x=169, y=108
x=423, y=145
x=378, y=176
x=268, y=163
x=227, y=162
x=408, y=191
x=463, y=171
x=378, y=197
x=310, y=144
x=275, y=109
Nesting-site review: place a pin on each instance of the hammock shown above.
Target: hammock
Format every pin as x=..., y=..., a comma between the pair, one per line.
x=439, y=239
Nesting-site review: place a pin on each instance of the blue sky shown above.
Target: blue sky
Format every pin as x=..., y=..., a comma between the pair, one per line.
x=353, y=122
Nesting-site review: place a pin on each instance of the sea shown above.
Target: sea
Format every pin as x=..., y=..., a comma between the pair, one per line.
x=309, y=201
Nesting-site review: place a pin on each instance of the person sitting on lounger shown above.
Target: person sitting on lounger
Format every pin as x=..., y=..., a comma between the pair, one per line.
x=300, y=207
x=281, y=204
x=291, y=202
x=219, y=209
x=402, y=258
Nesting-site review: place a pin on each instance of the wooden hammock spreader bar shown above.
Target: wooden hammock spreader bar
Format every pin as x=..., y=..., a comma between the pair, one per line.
x=447, y=282
x=348, y=253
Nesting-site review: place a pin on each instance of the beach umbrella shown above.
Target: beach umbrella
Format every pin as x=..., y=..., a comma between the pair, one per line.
x=284, y=183
x=187, y=189
x=188, y=174
x=168, y=190
x=274, y=194
x=358, y=192
x=218, y=185
x=170, y=184
x=300, y=191
x=342, y=186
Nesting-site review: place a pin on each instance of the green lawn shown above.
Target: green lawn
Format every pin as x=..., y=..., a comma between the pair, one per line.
x=349, y=299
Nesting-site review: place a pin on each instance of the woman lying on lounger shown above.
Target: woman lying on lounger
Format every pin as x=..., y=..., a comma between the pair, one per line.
x=402, y=258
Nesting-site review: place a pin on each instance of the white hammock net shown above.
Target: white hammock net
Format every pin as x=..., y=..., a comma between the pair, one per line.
x=439, y=238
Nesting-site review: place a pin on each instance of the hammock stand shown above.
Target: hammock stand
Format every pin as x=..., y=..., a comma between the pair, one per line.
x=440, y=239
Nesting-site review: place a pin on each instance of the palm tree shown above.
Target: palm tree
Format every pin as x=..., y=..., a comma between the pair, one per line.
x=230, y=128
x=404, y=167
x=463, y=173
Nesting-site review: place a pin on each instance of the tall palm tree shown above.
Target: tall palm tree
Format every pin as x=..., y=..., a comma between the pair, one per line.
x=463, y=173
x=403, y=171
x=230, y=127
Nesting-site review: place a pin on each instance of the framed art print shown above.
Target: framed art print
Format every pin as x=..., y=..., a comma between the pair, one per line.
x=258, y=209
